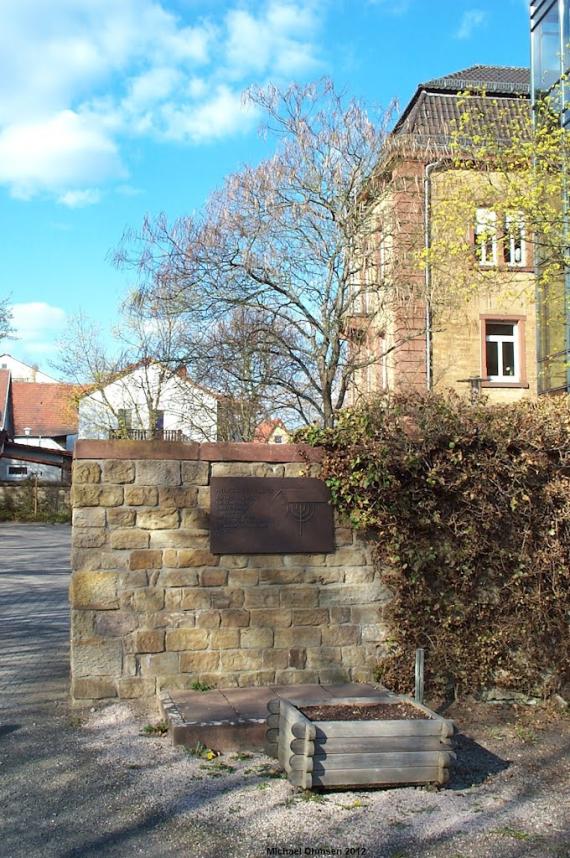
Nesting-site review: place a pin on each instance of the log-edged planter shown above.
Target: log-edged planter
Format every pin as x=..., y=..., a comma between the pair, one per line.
x=359, y=753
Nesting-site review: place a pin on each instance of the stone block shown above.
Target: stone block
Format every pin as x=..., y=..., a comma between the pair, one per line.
x=262, y=597
x=252, y=638
x=226, y=598
x=256, y=678
x=281, y=576
x=362, y=674
x=342, y=614
x=96, y=495
x=101, y=658
x=299, y=597
x=149, y=599
x=197, y=520
x=145, y=559
x=241, y=659
x=333, y=675
x=242, y=577
x=114, y=560
x=375, y=632
x=234, y=561
x=272, y=618
x=86, y=472
x=195, y=473
x=182, y=539
x=159, y=664
x=353, y=594
x=141, y=495
x=208, y=619
x=359, y=575
x=318, y=657
x=204, y=498
x=341, y=635
x=158, y=519
x=148, y=640
x=177, y=497
x=97, y=590
x=224, y=638
x=118, y=517
x=311, y=617
x=213, y=577
x=83, y=624
x=300, y=560
x=153, y=472
x=297, y=658
x=173, y=599
x=348, y=556
x=129, y=538
x=93, y=689
x=186, y=639
x=196, y=662
x=366, y=614
x=265, y=469
x=89, y=537
x=135, y=687
x=114, y=624
x=276, y=658
x=296, y=677
x=118, y=471
x=133, y=579
x=302, y=636
x=295, y=469
x=235, y=619
x=178, y=578
x=89, y=517
x=324, y=575
x=353, y=656
x=233, y=469
x=266, y=561
x=195, y=599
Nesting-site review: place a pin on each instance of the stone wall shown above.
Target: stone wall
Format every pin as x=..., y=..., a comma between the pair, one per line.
x=152, y=608
x=18, y=498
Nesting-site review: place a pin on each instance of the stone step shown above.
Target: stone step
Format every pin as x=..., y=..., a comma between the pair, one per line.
x=233, y=719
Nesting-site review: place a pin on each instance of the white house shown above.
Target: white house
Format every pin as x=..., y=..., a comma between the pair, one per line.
x=20, y=371
x=149, y=401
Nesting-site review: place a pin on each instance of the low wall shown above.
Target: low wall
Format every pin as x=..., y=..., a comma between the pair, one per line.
x=152, y=608
x=23, y=497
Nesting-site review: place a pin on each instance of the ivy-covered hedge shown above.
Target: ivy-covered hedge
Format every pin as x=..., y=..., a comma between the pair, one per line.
x=470, y=507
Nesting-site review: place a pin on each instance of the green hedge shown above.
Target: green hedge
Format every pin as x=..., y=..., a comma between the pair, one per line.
x=470, y=511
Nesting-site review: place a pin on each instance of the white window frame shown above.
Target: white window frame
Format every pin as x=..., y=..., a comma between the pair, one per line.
x=500, y=339
x=510, y=240
x=486, y=224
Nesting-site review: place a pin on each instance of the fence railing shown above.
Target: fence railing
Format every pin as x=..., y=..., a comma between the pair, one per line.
x=147, y=435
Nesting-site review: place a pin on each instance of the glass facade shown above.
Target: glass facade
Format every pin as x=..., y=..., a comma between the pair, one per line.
x=550, y=66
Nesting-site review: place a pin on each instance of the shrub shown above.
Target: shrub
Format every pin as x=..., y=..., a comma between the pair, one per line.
x=469, y=506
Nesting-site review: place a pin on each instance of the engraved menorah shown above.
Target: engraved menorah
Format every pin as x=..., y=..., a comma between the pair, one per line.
x=302, y=512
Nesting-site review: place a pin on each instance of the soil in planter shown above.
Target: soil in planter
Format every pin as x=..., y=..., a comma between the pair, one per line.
x=364, y=712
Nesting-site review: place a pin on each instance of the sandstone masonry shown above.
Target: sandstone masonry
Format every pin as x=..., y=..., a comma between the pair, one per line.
x=152, y=608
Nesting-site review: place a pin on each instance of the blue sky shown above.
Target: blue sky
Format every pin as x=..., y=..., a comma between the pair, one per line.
x=111, y=109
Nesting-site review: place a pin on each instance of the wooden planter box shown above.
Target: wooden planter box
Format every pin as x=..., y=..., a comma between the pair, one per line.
x=359, y=753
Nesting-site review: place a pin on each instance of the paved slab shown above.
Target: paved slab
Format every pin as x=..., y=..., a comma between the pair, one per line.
x=233, y=719
x=34, y=614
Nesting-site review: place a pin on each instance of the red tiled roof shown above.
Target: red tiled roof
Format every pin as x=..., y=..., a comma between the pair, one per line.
x=48, y=410
x=4, y=388
x=264, y=431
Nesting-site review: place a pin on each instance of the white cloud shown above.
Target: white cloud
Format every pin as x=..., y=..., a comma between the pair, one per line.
x=37, y=327
x=78, y=77
x=471, y=20
x=81, y=198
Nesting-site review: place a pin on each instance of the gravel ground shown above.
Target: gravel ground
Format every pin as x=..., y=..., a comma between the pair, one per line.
x=95, y=785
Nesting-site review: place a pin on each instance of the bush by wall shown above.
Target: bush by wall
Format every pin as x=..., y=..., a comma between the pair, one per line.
x=470, y=506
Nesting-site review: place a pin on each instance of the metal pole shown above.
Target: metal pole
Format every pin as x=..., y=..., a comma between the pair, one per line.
x=419, y=687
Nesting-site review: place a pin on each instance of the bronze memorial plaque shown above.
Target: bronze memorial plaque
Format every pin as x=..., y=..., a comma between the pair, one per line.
x=269, y=515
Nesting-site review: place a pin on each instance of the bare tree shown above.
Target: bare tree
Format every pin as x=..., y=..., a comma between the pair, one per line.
x=123, y=385
x=293, y=240
x=5, y=319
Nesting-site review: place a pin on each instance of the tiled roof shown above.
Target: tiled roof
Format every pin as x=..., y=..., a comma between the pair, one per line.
x=504, y=79
x=4, y=390
x=48, y=410
x=265, y=430
x=435, y=109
